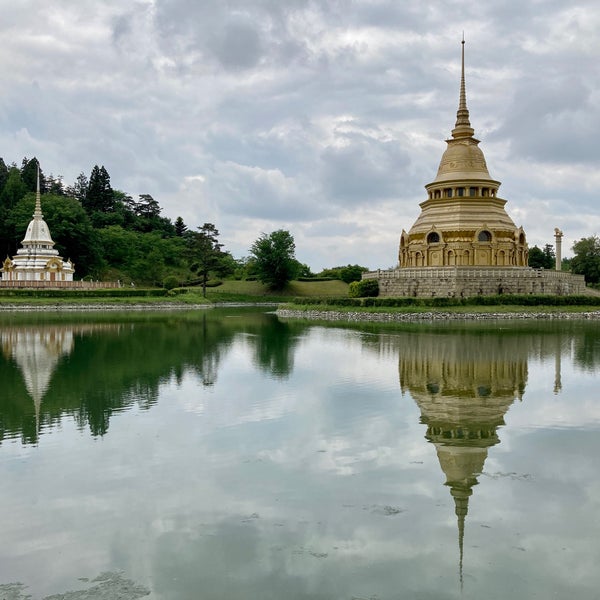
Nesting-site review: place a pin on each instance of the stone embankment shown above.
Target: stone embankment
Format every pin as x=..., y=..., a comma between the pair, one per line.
x=379, y=317
x=60, y=307
x=107, y=306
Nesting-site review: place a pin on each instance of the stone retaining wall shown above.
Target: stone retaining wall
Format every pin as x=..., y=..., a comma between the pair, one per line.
x=99, y=307
x=382, y=317
x=429, y=282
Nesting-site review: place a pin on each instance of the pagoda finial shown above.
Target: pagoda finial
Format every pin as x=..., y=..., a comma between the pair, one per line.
x=461, y=508
x=37, y=213
x=463, y=125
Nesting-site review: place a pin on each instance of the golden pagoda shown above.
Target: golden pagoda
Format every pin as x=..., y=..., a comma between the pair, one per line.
x=463, y=221
x=464, y=243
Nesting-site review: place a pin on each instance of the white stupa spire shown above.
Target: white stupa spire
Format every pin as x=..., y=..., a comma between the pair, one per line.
x=38, y=233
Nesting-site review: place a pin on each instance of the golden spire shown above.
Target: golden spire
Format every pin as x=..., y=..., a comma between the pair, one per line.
x=461, y=508
x=463, y=126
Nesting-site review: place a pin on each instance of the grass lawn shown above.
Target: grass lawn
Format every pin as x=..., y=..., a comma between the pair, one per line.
x=253, y=291
x=74, y=301
x=228, y=291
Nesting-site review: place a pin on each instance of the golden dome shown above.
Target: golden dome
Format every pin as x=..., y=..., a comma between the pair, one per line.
x=463, y=159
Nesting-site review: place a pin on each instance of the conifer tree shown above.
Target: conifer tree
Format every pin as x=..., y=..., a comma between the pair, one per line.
x=147, y=207
x=180, y=227
x=99, y=196
x=79, y=189
x=29, y=174
x=3, y=174
x=205, y=251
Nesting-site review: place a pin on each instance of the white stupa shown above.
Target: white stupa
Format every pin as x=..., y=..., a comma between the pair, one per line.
x=37, y=260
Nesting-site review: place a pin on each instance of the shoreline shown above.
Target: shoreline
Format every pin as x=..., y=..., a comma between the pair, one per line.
x=313, y=315
x=98, y=307
x=113, y=307
x=386, y=317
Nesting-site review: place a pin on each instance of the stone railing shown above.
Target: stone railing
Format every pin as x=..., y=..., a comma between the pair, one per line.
x=53, y=285
x=467, y=273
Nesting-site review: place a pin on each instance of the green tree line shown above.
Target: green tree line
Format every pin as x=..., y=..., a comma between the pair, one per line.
x=107, y=233
x=111, y=236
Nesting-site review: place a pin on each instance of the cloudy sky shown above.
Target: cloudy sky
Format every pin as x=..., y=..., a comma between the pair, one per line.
x=323, y=117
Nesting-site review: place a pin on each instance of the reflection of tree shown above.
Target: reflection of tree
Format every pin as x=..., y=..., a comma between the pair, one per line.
x=208, y=356
x=110, y=371
x=105, y=369
x=92, y=370
x=275, y=346
x=587, y=349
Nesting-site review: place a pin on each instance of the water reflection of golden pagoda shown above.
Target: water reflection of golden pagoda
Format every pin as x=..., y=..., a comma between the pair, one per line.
x=464, y=385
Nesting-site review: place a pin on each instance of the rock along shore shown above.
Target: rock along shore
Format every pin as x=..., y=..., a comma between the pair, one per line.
x=379, y=317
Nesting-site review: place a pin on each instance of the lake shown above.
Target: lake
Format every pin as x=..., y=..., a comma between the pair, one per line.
x=230, y=454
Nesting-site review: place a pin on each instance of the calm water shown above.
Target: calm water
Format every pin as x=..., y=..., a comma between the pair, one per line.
x=231, y=455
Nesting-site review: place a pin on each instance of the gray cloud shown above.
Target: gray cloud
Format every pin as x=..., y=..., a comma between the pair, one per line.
x=293, y=112
x=562, y=116
x=238, y=46
x=363, y=169
x=263, y=193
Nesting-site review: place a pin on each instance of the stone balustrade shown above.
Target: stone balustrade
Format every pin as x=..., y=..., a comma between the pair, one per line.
x=428, y=282
x=53, y=285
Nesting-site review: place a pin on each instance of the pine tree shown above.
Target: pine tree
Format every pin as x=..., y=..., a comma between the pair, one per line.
x=180, y=227
x=29, y=174
x=205, y=251
x=99, y=196
x=147, y=207
x=79, y=189
x=3, y=174
x=54, y=185
x=14, y=189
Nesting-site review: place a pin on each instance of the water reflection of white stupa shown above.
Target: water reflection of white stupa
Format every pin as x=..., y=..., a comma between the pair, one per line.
x=37, y=351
